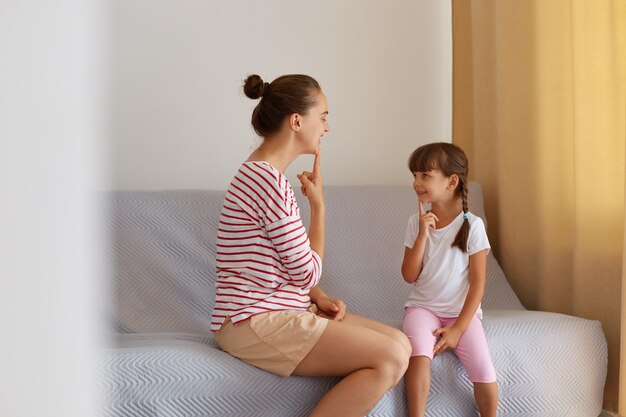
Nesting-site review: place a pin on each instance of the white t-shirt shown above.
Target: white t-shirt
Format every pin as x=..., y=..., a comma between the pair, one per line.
x=444, y=281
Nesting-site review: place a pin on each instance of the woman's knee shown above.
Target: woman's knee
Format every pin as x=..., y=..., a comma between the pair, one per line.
x=405, y=343
x=402, y=340
x=395, y=361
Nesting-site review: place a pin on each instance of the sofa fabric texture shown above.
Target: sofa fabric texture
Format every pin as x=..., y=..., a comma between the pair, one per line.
x=162, y=361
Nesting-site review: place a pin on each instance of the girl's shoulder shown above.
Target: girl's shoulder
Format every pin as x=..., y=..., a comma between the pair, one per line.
x=414, y=220
x=477, y=225
x=474, y=218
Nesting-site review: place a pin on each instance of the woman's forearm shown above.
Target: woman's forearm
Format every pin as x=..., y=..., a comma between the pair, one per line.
x=316, y=293
x=316, y=230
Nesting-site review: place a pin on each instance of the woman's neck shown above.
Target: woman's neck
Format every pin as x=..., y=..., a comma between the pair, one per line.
x=278, y=151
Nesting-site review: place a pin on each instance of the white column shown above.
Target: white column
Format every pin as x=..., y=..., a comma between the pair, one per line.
x=52, y=122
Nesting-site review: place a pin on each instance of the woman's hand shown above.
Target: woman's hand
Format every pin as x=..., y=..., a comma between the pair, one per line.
x=448, y=338
x=331, y=308
x=312, y=184
x=428, y=220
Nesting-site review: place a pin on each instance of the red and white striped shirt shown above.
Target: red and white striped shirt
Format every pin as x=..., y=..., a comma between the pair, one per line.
x=264, y=260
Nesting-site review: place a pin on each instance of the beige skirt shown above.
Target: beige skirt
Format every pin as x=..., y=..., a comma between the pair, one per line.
x=276, y=341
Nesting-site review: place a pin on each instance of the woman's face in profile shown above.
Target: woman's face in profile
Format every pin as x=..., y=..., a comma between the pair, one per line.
x=314, y=125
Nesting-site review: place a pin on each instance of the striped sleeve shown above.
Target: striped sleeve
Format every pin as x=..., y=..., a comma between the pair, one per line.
x=270, y=198
x=289, y=238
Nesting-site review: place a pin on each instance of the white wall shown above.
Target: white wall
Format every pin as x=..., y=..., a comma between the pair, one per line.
x=180, y=119
x=51, y=123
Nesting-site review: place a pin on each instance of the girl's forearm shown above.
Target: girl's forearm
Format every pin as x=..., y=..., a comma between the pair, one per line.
x=413, y=261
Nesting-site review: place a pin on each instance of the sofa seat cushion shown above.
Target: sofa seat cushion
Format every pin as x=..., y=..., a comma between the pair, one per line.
x=545, y=362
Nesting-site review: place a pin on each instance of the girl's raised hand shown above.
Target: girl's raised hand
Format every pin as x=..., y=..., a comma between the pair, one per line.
x=312, y=184
x=428, y=221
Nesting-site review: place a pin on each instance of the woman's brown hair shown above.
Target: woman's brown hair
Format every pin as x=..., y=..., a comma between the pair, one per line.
x=449, y=159
x=288, y=94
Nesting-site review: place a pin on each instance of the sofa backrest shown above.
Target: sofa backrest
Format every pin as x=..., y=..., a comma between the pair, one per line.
x=161, y=249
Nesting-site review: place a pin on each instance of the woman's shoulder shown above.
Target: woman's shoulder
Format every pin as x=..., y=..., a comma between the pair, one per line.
x=262, y=175
x=261, y=168
x=260, y=171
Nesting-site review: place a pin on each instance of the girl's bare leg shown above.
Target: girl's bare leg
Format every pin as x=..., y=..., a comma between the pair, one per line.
x=417, y=383
x=372, y=358
x=486, y=395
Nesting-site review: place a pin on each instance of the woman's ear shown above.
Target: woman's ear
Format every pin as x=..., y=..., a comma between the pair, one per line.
x=295, y=121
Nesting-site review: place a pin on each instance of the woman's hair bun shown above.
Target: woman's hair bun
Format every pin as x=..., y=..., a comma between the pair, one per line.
x=254, y=87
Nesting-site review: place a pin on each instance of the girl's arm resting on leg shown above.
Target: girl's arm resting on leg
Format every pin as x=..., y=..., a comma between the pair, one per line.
x=449, y=336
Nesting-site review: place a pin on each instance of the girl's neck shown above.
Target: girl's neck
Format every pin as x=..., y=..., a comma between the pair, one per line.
x=446, y=211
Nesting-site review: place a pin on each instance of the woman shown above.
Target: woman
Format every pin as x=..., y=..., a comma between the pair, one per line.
x=269, y=310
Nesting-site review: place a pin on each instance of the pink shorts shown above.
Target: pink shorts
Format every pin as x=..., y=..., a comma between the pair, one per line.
x=419, y=324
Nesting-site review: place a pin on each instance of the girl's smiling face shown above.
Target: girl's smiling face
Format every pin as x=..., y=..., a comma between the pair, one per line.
x=431, y=186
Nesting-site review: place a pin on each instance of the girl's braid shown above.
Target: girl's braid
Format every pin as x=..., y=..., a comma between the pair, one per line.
x=462, y=236
x=463, y=188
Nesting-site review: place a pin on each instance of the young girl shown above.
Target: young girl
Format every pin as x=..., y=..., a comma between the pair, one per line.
x=268, y=309
x=445, y=260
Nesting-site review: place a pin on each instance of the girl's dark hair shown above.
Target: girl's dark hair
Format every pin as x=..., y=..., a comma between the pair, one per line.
x=449, y=159
x=288, y=94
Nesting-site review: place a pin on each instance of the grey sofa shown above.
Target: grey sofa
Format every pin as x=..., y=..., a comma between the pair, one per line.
x=163, y=362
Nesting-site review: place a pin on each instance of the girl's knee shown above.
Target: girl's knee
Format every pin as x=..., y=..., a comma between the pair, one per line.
x=481, y=372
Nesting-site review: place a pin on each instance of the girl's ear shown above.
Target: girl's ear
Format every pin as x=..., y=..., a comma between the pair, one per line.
x=453, y=181
x=295, y=122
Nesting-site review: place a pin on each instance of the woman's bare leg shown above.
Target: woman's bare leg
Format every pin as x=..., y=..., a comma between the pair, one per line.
x=395, y=334
x=372, y=358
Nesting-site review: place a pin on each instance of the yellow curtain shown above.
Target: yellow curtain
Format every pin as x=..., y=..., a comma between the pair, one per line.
x=622, y=376
x=540, y=107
